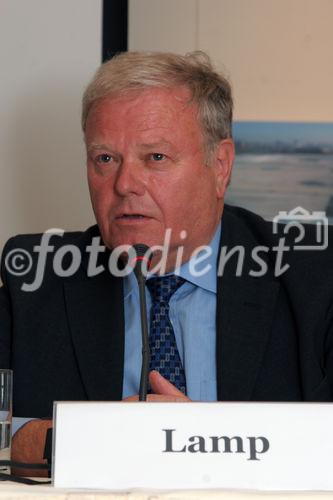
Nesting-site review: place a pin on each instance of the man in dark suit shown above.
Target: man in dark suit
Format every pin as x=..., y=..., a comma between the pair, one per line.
x=159, y=157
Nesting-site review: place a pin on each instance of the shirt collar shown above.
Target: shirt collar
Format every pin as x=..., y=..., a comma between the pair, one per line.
x=205, y=280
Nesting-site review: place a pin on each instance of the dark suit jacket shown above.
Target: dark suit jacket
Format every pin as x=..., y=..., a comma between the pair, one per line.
x=274, y=334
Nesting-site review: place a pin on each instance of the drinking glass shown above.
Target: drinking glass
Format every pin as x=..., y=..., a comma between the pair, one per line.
x=6, y=402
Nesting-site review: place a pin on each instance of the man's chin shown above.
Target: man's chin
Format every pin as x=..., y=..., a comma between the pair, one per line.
x=128, y=243
x=124, y=242
x=164, y=254
x=129, y=236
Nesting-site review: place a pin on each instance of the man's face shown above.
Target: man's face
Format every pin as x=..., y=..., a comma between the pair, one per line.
x=147, y=171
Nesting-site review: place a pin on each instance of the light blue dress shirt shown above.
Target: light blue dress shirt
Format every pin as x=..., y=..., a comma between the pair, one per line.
x=193, y=316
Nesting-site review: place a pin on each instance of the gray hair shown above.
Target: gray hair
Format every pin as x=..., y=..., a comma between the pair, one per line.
x=135, y=71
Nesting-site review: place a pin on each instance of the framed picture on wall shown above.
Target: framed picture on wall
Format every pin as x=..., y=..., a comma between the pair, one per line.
x=283, y=165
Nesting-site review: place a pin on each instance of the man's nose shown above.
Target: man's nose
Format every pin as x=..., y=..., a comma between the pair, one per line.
x=130, y=179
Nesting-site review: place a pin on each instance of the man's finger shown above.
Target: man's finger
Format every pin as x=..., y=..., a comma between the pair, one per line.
x=166, y=398
x=131, y=399
x=158, y=398
x=161, y=385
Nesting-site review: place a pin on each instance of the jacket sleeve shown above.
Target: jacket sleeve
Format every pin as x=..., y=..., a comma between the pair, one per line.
x=329, y=351
x=5, y=315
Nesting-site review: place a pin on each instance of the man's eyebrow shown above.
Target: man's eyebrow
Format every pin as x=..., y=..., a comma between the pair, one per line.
x=148, y=146
x=99, y=146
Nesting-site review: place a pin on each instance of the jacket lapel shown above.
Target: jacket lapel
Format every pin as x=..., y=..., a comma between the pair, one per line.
x=245, y=309
x=96, y=320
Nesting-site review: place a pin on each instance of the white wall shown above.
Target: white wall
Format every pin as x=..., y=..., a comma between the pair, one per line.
x=48, y=51
x=278, y=53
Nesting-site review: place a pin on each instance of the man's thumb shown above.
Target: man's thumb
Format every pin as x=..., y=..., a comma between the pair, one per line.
x=161, y=385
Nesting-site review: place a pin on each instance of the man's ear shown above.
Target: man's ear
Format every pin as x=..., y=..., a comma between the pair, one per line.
x=224, y=159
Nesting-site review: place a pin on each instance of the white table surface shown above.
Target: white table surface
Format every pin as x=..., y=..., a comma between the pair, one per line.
x=12, y=491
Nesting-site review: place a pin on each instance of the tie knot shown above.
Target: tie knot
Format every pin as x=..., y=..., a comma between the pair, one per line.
x=163, y=287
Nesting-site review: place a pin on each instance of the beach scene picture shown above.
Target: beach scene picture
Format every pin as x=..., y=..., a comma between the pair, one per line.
x=283, y=165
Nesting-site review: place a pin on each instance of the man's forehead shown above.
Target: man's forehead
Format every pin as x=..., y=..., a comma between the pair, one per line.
x=150, y=100
x=155, y=112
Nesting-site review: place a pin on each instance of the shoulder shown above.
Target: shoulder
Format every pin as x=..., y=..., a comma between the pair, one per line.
x=24, y=254
x=54, y=237
x=305, y=249
x=298, y=234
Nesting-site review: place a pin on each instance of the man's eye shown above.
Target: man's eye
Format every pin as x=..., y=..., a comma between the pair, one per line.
x=157, y=156
x=104, y=158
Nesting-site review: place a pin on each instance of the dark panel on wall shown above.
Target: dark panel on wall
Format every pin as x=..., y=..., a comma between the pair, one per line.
x=115, y=22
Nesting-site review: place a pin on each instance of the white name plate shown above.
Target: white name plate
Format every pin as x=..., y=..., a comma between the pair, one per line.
x=263, y=446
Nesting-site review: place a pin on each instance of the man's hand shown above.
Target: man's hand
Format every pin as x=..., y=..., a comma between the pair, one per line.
x=163, y=390
x=28, y=446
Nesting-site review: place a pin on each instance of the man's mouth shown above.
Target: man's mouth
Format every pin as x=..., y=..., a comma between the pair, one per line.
x=130, y=216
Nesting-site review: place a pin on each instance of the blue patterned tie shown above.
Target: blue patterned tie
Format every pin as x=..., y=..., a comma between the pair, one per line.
x=164, y=355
